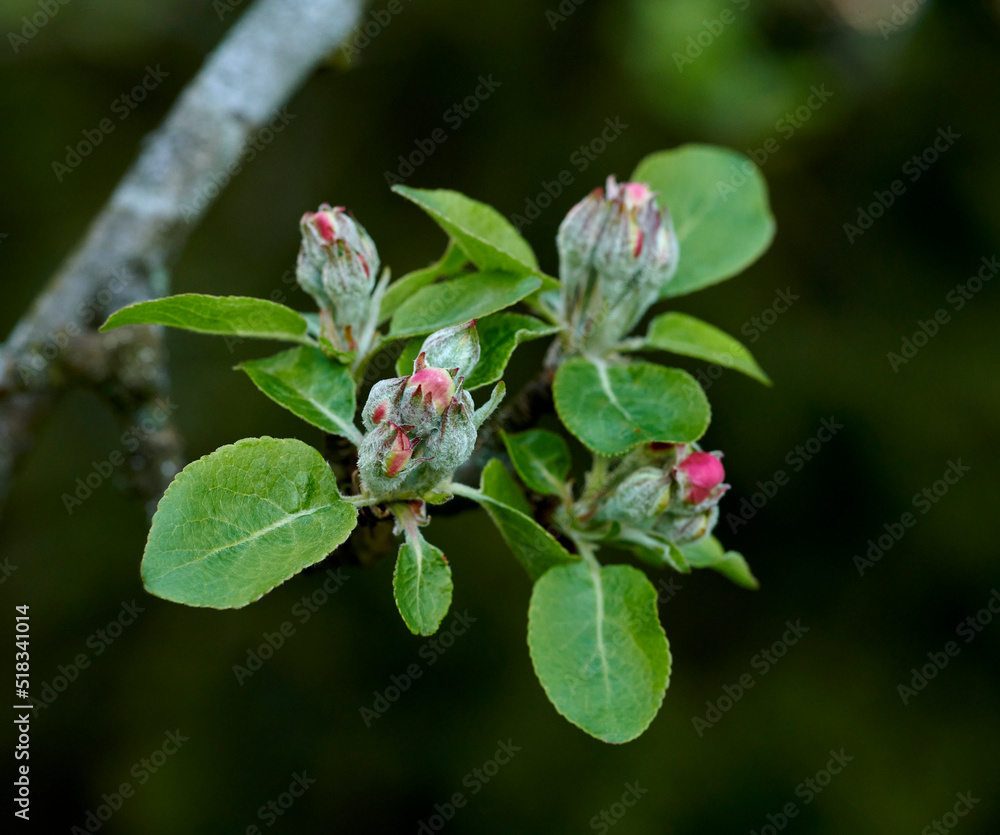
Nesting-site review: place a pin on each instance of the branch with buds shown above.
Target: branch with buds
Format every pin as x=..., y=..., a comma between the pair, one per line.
x=646, y=487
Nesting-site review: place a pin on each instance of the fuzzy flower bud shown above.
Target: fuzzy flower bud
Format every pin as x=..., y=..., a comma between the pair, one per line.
x=684, y=529
x=617, y=251
x=454, y=347
x=576, y=239
x=422, y=427
x=432, y=387
x=447, y=447
x=384, y=458
x=641, y=497
x=700, y=476
x=425, y=398
x=383, y=402
x=338, y=264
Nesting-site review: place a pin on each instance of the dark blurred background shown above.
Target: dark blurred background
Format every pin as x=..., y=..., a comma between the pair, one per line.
x=893, y=76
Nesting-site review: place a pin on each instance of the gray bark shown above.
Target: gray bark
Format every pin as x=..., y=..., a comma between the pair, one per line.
x=127, y=252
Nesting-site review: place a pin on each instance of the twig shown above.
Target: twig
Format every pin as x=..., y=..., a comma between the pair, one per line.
x=127, y=251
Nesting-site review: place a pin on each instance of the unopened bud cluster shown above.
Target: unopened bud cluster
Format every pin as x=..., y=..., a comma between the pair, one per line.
x=617, y=250
x=338, y=266
x=674, y=493
x=421, y=427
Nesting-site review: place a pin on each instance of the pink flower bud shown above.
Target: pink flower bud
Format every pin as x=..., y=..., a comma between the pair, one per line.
x=617, y=250
x=433, y=387
x=338, y=263
x=399, y=453
x=700, y=473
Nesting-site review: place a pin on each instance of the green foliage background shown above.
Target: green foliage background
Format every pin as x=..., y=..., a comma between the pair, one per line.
x=837, y=688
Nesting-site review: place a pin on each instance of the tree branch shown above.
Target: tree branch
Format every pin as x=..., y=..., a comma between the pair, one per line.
x=127, y=251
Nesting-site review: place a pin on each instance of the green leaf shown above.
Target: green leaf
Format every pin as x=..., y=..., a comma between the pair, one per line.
x=598, y=648
x=652, y=548
x=722, y=228
x=486, y=236
x=406, y=358
x=451, y=263
x=221, y=315
x=459, y=300
x=499, y=335
x=691, y=337
x=421, y=585
x=497, y=484
x=613, y=408
x=317, y=389
x=708, y=552
x=490, y=406
x=541, y=458
x=535, y=548
x=237, y=523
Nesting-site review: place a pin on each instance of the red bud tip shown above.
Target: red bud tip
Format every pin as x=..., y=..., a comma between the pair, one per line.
x=705, y=472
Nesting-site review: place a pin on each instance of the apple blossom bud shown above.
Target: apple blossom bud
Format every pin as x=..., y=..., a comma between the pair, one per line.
x=454, y=347
x=683, y=529
x=384, y=458
x=383, y=402
x=617, y=251
x=699, y=476
x=433, y=387
x=447, y=447
x=338, y=264
x=641, y=497
x=399, y=454
x=576, y=239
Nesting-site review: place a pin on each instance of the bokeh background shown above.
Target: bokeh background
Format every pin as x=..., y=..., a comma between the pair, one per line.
x=898, y=73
